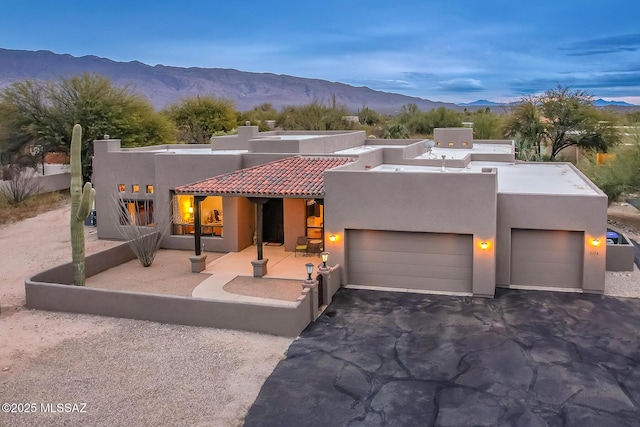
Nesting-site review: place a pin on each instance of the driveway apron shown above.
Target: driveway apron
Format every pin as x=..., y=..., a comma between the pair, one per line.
x=401, y=359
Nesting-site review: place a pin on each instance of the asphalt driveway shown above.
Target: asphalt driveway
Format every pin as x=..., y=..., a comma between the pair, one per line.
x=523, y=358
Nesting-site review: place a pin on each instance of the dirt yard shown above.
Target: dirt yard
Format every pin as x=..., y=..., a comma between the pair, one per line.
x=126, y=372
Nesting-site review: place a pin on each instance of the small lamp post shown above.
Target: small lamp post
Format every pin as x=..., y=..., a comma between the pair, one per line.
x=325, y=257
x=309, y=270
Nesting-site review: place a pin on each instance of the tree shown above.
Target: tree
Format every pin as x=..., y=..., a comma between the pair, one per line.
x=44, y=113
x=486, y=125
x=258, y=116
x=423, y=123
x=561, y=118
x=525, y=126
x=368, y=117
x=315, y=116
x=199, y=118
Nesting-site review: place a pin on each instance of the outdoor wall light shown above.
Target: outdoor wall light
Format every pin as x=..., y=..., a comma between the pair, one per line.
x=484, y=244
x=309, y=266
x=595, y=242
x=325, y=257
x=333, y=238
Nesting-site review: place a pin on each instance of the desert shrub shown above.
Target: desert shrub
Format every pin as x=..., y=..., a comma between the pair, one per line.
x=32, y=206
x=617, y=175
x=144, y=230
x=20, y=185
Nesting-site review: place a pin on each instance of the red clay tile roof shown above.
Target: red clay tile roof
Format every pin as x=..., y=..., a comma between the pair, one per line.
x=293, y=176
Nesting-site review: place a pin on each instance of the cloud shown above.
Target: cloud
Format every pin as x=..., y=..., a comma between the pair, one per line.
x=619, y=82
x=392, y=85
x=460, y=85
x=604, y=45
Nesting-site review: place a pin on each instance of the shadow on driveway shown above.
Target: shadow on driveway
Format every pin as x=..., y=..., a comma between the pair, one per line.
x=524, y=358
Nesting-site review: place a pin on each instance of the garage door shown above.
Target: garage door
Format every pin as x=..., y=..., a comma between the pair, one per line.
x=549, y=258
x=421, y=261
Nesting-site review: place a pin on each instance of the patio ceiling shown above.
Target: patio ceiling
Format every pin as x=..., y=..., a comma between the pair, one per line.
x=297, y=176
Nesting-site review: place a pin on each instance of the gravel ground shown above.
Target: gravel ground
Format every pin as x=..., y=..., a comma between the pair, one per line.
x=129, y=373
x=145, y=374
x=625, y=218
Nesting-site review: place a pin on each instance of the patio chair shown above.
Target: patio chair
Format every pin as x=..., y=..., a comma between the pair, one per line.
x=301, y=245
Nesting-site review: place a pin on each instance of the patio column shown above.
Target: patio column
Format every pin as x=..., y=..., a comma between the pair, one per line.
x=196, y=224
x=259, y=215
x=198, y=261
x=260, y=264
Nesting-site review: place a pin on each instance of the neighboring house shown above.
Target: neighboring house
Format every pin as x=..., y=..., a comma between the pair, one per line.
x=452, y=215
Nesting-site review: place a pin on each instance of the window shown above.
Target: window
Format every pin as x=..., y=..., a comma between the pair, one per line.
x=122, y=188
x=150, y=189
x=211, y=222
x=136, y=212
x=315, y=219
x=135, y=188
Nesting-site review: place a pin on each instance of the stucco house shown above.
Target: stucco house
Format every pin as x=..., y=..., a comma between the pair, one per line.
x=451, y=215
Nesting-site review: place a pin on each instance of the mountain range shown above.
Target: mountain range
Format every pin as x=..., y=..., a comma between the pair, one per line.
x=164, y=85
x=597, y=103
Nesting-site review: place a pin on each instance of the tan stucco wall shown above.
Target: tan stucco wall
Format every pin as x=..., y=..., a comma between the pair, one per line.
x=294, y=218
x=553, y=212
x=462, y=203
x=164, y=171
x=246, y=220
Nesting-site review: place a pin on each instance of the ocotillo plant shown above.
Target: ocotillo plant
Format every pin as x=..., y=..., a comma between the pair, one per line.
x=81, y=203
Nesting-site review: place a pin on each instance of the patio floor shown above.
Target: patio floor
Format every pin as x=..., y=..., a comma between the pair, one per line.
x=284, y=272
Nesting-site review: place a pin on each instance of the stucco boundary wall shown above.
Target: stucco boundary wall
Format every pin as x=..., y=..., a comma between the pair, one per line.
x=52, y=290
x=620, y=256
x=49, y=183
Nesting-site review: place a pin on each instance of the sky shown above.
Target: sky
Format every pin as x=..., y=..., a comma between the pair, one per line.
x=452, y=51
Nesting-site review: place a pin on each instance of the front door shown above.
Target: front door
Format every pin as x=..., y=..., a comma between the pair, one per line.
x=273, y=221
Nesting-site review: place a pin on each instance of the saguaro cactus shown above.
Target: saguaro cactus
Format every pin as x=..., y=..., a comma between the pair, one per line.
x=81, y=203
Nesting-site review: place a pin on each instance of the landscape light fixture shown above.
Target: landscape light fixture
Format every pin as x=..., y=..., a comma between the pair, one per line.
x=325, y=257
x=309, y=266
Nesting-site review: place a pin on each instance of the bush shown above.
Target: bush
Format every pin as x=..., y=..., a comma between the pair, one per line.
x=20, y=185
x=619, y=174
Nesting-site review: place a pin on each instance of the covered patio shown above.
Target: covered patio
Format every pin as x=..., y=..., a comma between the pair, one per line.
x=295, y=182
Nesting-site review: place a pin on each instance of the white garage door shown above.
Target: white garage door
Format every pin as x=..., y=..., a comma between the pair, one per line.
x=421, y=261
x=549, y=258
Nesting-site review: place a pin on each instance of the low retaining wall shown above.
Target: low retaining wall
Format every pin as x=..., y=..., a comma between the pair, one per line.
x=620, y=256
x=49, y=183
x=53, y=290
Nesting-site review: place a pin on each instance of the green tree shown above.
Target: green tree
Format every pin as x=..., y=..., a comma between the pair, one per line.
x=486, y=125
x=561, y=118
x=423, y=123
x=368, y=117
x=525, y=126
x=443, y=118
x=258, y=116
x=44, y=113
x=315, y=116
x=619, y=174
x=199, y=118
